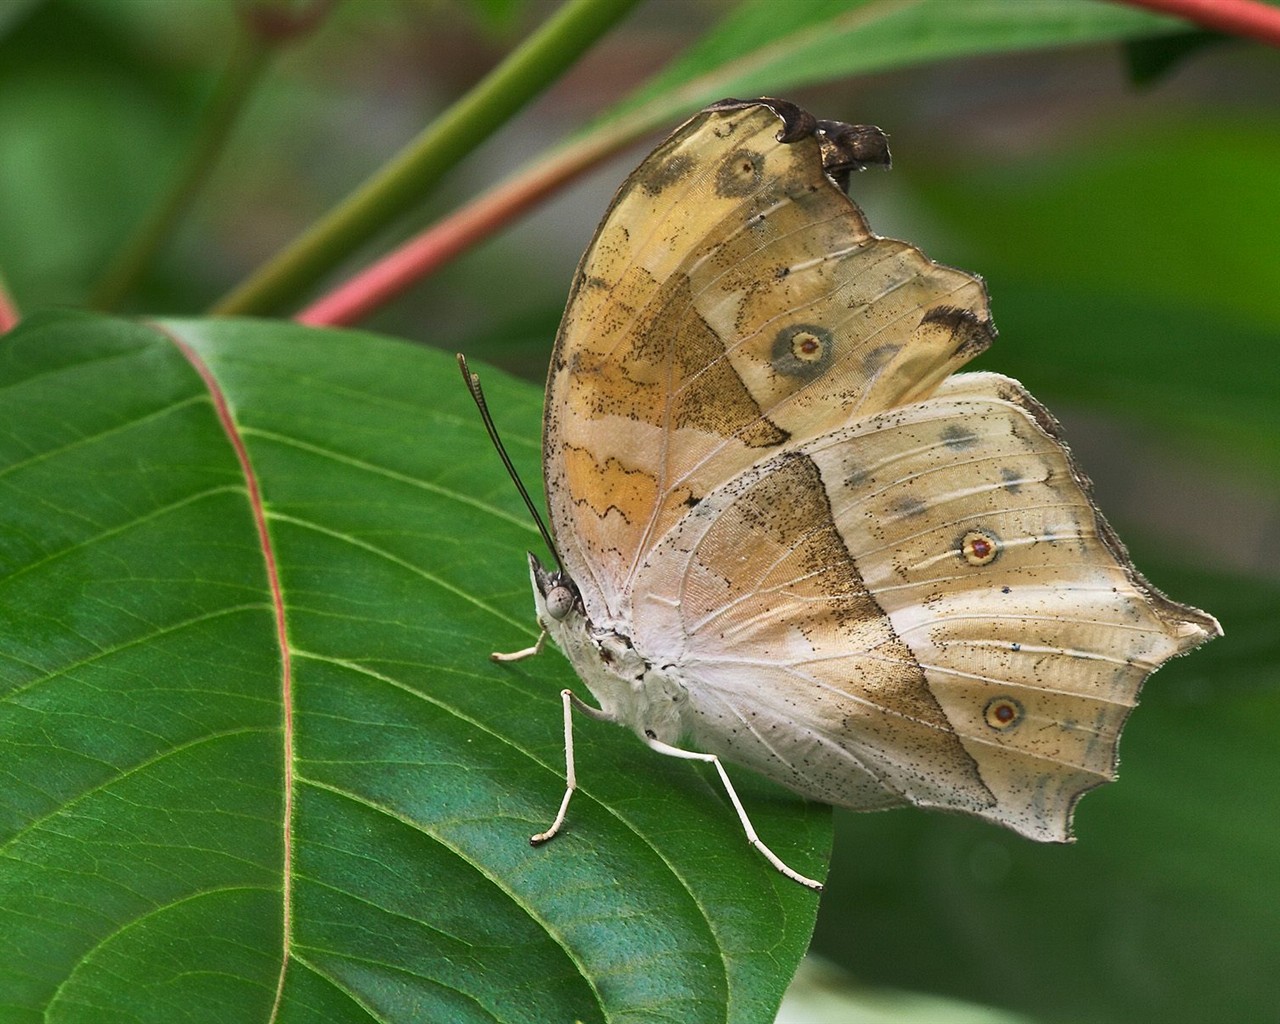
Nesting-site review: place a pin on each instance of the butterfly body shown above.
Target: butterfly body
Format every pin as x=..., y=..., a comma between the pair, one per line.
x=632, y=690
x=791, y=536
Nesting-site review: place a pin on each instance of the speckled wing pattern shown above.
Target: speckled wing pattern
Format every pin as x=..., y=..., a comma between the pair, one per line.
x=881, y=583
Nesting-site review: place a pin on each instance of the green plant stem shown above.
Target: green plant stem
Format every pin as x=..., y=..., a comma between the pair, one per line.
x=403, y=181
x=243, y=72
x=389, y=276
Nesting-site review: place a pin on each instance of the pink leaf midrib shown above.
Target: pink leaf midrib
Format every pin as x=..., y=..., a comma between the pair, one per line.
x=223, y=410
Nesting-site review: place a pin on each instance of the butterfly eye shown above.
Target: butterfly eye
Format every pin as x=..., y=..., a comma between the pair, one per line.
x=559, y=602
x=979, y=547
x=1003, y=713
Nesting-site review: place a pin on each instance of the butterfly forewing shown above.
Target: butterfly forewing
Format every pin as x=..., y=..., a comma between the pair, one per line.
x=732, y=302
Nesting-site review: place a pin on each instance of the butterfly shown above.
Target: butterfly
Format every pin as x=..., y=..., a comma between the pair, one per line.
x=790, y=537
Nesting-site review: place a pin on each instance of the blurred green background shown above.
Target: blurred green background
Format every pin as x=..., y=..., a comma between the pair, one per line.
x=1129, y=232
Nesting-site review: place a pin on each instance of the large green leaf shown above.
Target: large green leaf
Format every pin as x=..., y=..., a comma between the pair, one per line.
x=250, y=578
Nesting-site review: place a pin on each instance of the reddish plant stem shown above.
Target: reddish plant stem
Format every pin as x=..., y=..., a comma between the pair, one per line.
x=390, y=276
x=9, y=315
x=1249, y=18
x=382, y=281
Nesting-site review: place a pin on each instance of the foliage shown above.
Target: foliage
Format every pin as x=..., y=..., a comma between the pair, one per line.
x=166, y=756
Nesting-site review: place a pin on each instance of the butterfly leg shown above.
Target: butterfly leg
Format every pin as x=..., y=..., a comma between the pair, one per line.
x=520, y=655
x=571, y=700
x=752, y=838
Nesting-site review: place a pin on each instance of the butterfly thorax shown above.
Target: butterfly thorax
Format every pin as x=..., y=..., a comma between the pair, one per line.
x=630, y=689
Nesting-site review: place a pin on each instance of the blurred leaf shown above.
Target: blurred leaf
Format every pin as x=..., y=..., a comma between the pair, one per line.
x=762, y=47
x=13, y=12
x=1146, y=363
x=149, y=727
x=91, y=124
x=824, y=994
x=498, y=15
x=1170, y=212
x=1128, y=276
x=1152, y=59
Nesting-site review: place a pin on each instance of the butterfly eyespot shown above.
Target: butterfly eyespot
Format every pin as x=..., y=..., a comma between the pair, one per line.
x=806, y=347
x=740, y=174
x=1003, y=713
x=802, y=350
x=559, y=601
x=979, y=547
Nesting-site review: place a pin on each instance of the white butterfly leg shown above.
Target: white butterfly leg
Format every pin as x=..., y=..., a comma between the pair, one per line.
x=520, y=655
x=571, y=700
x=752, y=838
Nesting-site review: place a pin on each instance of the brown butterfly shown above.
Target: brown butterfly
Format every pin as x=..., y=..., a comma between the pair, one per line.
x=790, y=537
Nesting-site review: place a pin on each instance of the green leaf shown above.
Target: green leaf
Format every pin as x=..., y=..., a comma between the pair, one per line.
x=762, y=47
x=190, y=806
x=824, y=994
x=1153, y=59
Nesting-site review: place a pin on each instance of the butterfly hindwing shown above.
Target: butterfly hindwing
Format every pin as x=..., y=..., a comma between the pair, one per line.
x=943, y=571
x=793, y=667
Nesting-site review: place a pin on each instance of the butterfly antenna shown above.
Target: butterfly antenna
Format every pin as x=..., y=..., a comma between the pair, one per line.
x=472, y=381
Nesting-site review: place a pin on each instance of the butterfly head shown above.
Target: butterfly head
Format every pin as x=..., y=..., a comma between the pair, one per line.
x=556, y=594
